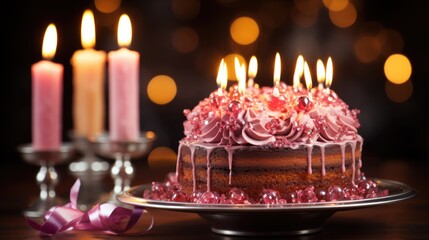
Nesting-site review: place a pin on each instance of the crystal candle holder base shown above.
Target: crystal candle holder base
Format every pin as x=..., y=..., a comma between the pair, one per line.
x=122, y=152
x=47, y=177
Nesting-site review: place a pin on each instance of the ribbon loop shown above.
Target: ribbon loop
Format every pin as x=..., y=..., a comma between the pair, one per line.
x=106, y=217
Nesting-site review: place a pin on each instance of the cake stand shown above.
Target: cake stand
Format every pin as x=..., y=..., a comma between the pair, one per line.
x=268, y=219
x=47, y=177
x=122, y=152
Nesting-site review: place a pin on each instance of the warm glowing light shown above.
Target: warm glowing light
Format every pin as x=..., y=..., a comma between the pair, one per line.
x=222, y=75
x=336, y=5
x=230, y=62
x=329, y=72
x=299, y=70
x=320, y=73
x=253, y=67
x=244, y=30
x=50, y=42
x=367, y=48
x=107, y=6
x=185, y=39
x=344, y=18
x=397, y=68
x=87, y=30
x=307, y=76
x=162, y=157
x=277, y=70
x=399, y=93
x=240, y=72
x=161, y=89
x=125, y=31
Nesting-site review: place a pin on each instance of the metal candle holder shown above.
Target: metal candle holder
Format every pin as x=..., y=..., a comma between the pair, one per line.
x=122, y=152
x=47, y=177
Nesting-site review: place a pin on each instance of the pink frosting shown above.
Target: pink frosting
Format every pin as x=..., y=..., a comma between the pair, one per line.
x=259, y=118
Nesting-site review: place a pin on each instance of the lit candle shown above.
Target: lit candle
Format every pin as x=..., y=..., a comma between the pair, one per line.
x=123, y=71
x=88, y=82
x=307, y=76
x=253, y=69
x=299, y=70
x=276, y=76
x=320, y=74
x=222, y=77
x=329, y=73
x=47, y=81
x=240, y=72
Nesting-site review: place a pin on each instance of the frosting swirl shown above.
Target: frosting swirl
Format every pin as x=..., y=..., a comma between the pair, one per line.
x=259, y=118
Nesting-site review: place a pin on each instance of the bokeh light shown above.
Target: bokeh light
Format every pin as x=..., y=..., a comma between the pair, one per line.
x=244, y=30
x=367, y=48
x=230, y=64
x=397, y=68
x=399, y=93
x=335, y=5
x=161, y=89
x=185, y=9
x=344, y=18
x=107, y=6
x=185, y=39
x=162, y=157
x=391, y=41
x=305, y=12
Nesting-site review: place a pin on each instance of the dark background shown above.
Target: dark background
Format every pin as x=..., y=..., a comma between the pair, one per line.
x=391, y=130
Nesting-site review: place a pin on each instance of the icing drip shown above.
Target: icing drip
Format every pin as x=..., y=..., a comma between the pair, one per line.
x=209, y=150
x=194, y=176
x=343, y=157
x=353, y=161
x=230, y=155
x=322, y=159
x=309, y=151
x=179, y=155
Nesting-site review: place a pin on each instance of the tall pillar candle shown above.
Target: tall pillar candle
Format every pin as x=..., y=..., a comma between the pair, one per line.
x=47, y=83
x=88, y=82
x=123, y=70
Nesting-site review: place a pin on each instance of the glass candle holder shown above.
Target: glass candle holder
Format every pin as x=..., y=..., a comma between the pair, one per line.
x=47, y=177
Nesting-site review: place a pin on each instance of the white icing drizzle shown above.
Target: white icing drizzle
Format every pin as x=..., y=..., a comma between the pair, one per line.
x=353, y=145
x=179, y=156
x=309, y=159
x=322, y=159
x=209, y=167
x=230, y=155
x=194, y=177
x=230, y=151
x=343, y=157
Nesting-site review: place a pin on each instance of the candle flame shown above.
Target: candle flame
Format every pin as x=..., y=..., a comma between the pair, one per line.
x=125, y=31
x=87, y=30
x=220, y=72
x=240, y=72
x=50, y=42
x=329, y=72
x=299, y=70
x=320, y=72
x=277, y=70
x=307, y=76
x=222, y=75
x=224, y=80
x=253, y=67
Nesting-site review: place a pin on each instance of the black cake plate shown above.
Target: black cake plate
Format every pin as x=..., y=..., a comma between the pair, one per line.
x=268, y=220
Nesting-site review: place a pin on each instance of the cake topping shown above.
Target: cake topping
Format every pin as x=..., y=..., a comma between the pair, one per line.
x=261, y=116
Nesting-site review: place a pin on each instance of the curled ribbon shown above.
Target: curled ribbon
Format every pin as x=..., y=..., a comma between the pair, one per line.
x=105, y=217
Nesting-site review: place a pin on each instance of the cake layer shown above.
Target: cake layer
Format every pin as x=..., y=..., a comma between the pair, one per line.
x=205, y=167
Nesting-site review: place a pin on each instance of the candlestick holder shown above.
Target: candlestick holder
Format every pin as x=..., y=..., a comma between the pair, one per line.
x=89, y=164
x=47, y=177
x=122, y=152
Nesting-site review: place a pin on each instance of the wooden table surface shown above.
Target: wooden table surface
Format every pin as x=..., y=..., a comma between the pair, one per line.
x=408, y=219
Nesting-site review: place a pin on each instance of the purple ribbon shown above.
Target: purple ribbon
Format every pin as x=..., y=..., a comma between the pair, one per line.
x=106, y=217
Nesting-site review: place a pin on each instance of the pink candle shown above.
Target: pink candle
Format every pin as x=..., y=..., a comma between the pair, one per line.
x=47, y=81
x=123, y=68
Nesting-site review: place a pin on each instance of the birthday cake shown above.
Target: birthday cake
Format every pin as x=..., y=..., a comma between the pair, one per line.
x=269, y=145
